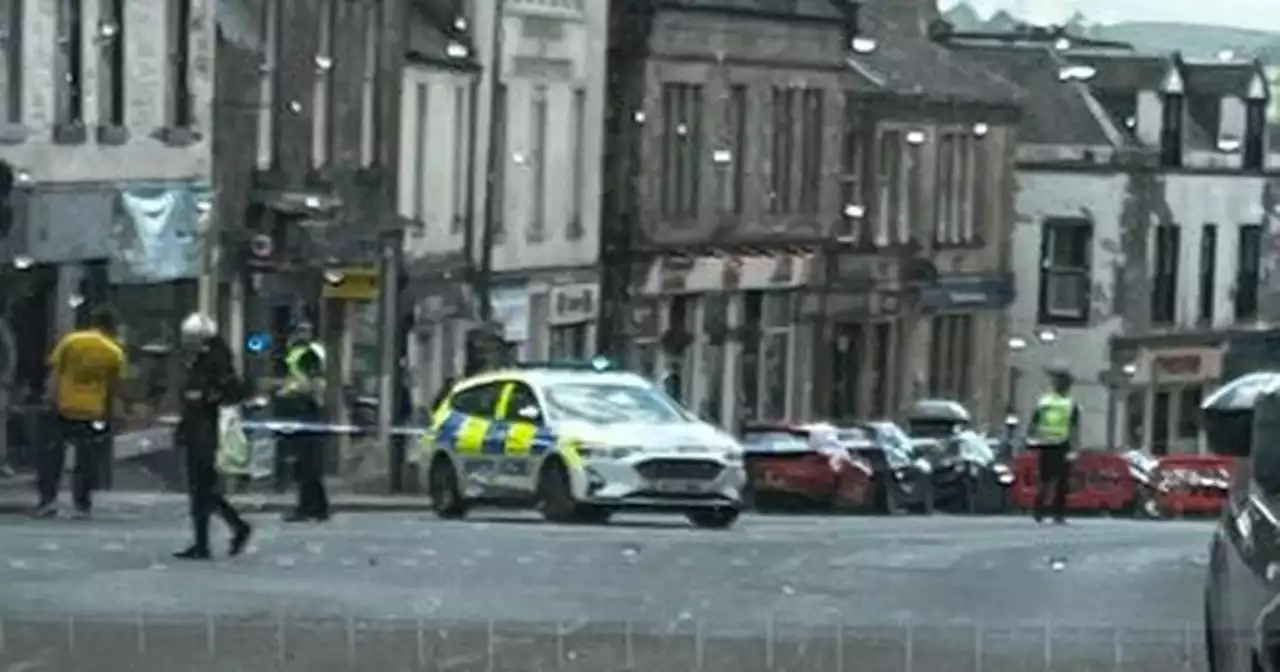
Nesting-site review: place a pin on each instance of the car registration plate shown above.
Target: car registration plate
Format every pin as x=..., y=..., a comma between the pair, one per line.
x=679, y=486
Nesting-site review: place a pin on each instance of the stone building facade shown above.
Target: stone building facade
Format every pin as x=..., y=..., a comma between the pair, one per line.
x=820, y=206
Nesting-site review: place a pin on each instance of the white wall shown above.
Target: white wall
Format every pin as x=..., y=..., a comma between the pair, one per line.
x=432, y=177
x=562, y=48
x=142, y=157
x=1193, y=200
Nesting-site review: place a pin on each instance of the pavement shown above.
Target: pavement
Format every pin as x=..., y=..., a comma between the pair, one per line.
x=400, y=590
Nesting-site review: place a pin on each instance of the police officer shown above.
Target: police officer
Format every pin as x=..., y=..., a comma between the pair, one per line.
x=301, y=399
x=1053, y=431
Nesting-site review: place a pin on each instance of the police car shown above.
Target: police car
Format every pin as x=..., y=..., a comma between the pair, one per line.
x=578, y=442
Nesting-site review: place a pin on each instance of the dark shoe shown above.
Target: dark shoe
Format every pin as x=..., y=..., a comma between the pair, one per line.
x=240, y=540
x=45, y=511
x=193, y=553
x=1059, y=521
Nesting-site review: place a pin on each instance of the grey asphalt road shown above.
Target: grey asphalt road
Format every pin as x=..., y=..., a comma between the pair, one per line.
x=399, y=591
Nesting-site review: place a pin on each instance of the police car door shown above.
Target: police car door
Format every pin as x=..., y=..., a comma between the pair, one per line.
x=479, y=403
x=521, y=417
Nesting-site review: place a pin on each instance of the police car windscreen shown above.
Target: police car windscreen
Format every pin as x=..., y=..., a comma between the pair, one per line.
x=612, y=404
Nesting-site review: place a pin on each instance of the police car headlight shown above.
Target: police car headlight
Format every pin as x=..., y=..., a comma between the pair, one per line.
x=733, y=455
x=602, y=452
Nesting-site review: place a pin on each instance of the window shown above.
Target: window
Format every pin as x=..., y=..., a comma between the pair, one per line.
x=537, y=231
x=891, y=178
x=950, y=356
x=268, y=115
x=322, y=121
x=846, y=371
x=1206, y=112
x=1189, y=418
x=1171, y=131
x=500, y=116
x=851, y=156
x=11, y=16
x=69, y=74
x=1255, y=134
x=1164, y=293
x=737, y=136
x=1065, y=262
x=1160, y=423
x=577, y=131
x=882, y=336
x=679, y=320
x=421, y=146
x=369, y=108
x=749, y=371
x=681, y=148
x=1208, y=271
x=111, y=63
x=811, y=142
x=480, y=400
x=1248, y=264
x=522, y=397
x=783, y=157
x=956, y=185
x=568, y=342
x=461, y=161
x=1135, y=417
x=180, y=104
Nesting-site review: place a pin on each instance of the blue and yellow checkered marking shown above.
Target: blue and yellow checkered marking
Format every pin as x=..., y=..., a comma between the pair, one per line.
x=475, y=436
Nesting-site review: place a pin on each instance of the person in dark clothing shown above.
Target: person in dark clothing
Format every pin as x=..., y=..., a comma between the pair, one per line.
x=1053, y=431
x=211, y=382
x=300, y=400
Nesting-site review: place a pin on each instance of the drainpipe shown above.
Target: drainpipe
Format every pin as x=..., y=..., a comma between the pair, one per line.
x=493, y=164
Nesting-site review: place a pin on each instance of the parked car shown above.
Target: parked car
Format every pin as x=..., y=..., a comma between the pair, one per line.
x=937, y=419
x=1242, y=596
x=803, y=466
x=968, y=477
x=900, y=480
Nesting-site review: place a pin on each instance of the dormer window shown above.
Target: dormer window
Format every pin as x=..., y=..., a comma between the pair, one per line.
x=1255, y=123
x=1173, y=90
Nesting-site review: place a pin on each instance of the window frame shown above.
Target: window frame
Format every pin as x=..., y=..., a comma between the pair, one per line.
x=181, y=105
x=474, y=387
x=112, y=65
x=68, y=73
x=1050, y=271
x=12, y=29
x=508, y=413
x=539, y=117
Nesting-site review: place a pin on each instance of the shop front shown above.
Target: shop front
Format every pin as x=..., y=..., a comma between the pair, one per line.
x=1159, y=398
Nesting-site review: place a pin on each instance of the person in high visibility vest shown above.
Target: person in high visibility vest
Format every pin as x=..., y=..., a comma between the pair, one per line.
x=301, y=398
x=1053, y=430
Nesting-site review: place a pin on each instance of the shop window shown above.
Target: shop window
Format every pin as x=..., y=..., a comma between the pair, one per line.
x=1160, y=423
x=714, y=316
x=568, y=342
x=1189, y=418
x=881, y=366
x=1135, y=419
x=749, y=367
x=950, y=356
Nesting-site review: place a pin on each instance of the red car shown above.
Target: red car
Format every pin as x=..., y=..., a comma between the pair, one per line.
x=806, y=466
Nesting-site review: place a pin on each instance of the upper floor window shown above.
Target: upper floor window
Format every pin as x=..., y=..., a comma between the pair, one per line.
x=181, y=111
x=785, y=118
x=895, y=173
x=322, y=122
x=681, y=148
x=537, y=226
x=811, y=143
x=1248, y=271
x=956, y=186
x=578, y=136
x=852, y=201
x=268, y=115
x=111, y=63
x=69, y=71
x=11, y=15
x=1164, y=290
x=369, y=108
x=461, y=160
x=1065, y=270
x=733, y=162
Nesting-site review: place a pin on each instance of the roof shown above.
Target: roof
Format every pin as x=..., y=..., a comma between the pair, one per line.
x=433, y=37
x=1122, y=71
x=909, y=64
x=1219, y=79
x=1054, y=112
x=802, y=9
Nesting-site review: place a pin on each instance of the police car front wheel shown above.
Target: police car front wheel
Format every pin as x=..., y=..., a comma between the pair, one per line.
x=444, y=490
x=714, y=519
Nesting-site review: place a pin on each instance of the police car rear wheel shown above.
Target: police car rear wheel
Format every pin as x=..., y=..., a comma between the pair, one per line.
x=713, y=519
x=446, y=495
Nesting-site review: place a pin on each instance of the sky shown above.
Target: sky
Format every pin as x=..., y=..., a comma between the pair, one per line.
x=1257, y=14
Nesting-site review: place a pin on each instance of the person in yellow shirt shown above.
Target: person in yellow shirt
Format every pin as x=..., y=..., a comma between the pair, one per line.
x=85, y=369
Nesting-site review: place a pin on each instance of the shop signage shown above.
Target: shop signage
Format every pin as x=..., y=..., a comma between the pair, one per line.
x=975, y=292
x=511, y=310
x=573, y=303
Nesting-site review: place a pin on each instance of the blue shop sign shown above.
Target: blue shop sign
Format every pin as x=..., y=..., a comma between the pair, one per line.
x=983, y=292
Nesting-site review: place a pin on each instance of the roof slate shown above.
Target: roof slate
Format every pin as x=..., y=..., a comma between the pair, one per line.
x=908, y=64
x=1054, y=112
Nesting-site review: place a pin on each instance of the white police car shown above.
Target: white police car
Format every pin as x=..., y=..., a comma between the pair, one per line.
x=578, y=442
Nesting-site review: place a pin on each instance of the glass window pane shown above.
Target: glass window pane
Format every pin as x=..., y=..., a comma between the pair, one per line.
x=776, y=368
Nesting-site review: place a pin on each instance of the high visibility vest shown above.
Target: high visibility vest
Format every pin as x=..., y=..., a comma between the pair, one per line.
x=1053, y=418
x=295, y=377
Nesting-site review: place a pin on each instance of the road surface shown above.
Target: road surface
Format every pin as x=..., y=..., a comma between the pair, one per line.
x=403, y=591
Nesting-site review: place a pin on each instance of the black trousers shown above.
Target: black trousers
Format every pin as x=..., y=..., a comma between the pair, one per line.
x=88, y=440
x=199, y=437
x=1055, y=473
x=308, y=470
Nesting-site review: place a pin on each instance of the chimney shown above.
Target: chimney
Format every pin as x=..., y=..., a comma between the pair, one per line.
x=1173, y=115
x=1257, y=99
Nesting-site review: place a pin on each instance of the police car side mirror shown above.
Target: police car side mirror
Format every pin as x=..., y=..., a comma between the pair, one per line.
x=529, y=414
